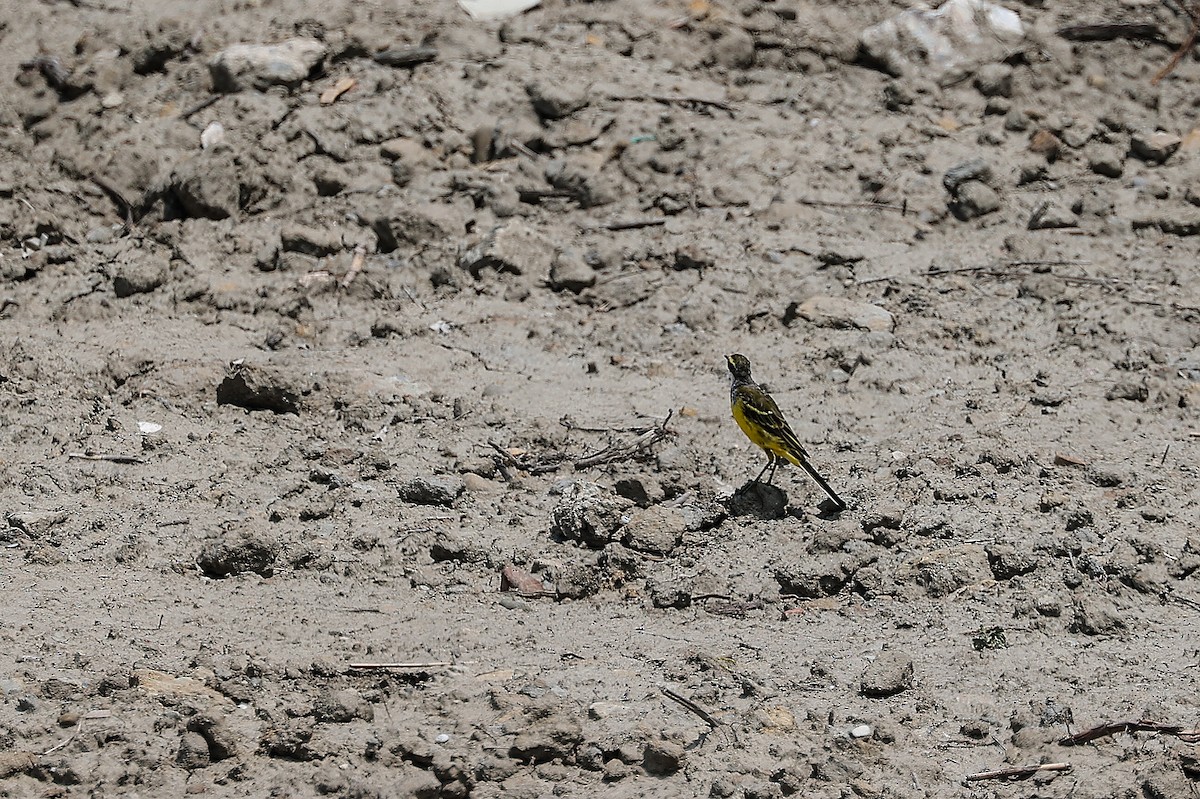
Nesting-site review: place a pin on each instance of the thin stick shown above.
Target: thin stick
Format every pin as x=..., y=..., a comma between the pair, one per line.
x=623, y=450
x=1113, y=728
x=200, y=106
x=1107, y=31
x=360, y=257
x=690, y=705
x=87, y=456
x=627, y=224
x=832, y=204
x=403, y=666
x=1183, y=50
x=1020, y=771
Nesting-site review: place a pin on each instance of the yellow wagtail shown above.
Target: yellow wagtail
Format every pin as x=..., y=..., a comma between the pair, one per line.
x=761, y=420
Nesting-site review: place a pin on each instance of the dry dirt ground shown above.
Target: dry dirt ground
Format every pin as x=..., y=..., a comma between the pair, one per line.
x=295, y=399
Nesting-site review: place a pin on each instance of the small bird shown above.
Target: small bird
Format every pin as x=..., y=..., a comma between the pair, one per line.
x=761, y=420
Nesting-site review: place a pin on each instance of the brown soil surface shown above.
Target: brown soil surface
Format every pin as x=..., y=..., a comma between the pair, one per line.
x=295, y=400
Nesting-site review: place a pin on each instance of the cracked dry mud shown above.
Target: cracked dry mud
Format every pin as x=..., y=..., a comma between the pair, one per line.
x=308, y=395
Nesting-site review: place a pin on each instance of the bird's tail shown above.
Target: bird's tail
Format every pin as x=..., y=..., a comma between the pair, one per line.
x=799, y=459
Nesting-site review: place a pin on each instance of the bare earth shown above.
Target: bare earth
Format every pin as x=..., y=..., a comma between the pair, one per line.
x=295, y=400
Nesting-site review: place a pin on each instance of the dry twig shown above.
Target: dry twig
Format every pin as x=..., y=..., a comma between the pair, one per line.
x=690, y=705
x=90, y=456
x=437, y=664
x=1112, y=728
x=1018, y=772
x=623, y=450
x=1184, y=48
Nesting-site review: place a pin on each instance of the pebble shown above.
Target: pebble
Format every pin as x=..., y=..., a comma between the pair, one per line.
x=890, y=673
x=1154, y=147
x=974, y=199
x=140, y=276
x=861, y=731
x=663, y=758
x=1046, y=144
x=309, y=241
x=35, y=523
x=237, y=552
x=557, y=100
x=656, y=529
x=402, y=225
x=1108, y=162
x=734, y=48
x=1097, y=616
x=994, y=80
x=826, y=311
x=441, y=489
x=207, y=186
x=513, y=248
x=976, y=169
x=1049, y=215
x=260, y=66
x=589, y=513
x=570, y=272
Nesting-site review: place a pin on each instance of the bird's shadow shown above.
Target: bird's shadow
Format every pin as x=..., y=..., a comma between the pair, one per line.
x=766, y=501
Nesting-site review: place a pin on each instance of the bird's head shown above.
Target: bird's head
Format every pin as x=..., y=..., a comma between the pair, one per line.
x=739, y=366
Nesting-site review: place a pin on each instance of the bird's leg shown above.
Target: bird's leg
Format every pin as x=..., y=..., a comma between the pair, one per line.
x=770, y=463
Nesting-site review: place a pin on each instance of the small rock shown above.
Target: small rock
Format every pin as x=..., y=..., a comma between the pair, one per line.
x=309, y=241
x=828, y=311
x=589, y=513
x=514, y=578
x=35, y=523
x=890, y=673
x=238, y=552
x=557, y=100
x=956, y=176
x=341, y=707
x=207, y=186
x=138, y=277
x=193, y=752
x=549, y=729
x=405, y=226
x=668, y=591
x=861, y=731
x=452, y=545
x=1097, y=616
x=1049, y=215
x=1045, y=144
x=1016, y=121
x=994, y=80
x=513, y=248
x=944, y=571
x=1154, y=147
x=257, y=387
x=1007, y=561
x=656, y=529
x=216, y=734
x=663, y=758
x=974, y=199
x=1131, y=390
x=734, y=48
x=1107, y=162
x=432, y=490
x=570, y=272
x=260, y=66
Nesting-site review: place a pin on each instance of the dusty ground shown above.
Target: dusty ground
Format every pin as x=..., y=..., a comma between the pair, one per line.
x=322, y=462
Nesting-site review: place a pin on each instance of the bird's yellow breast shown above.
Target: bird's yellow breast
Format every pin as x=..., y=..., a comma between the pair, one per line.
x=756, y=434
